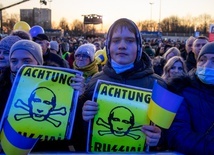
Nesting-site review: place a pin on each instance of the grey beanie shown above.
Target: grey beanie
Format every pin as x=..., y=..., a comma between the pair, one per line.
x=88, y=49
x=123, y=22
x=7, y=42
x=33, y=48
x=54, y=45
x=208, y=48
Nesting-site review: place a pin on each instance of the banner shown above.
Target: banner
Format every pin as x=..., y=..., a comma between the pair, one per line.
x=41, y=105
x=122, y=113
x=211, y=33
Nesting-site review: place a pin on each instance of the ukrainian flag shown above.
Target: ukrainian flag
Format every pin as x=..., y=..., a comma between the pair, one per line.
x=163, y=106
x=13, y=143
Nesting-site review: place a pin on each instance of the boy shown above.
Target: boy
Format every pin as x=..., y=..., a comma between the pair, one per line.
x=127, y=64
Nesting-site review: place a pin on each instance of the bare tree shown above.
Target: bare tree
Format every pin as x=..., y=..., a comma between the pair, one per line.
x=204, y=21
x=77, y=27
x=54, y=25
x=9, y=21
x=63, y=24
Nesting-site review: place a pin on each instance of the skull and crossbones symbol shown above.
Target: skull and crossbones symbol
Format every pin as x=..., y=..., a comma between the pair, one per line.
x=120, y=123
x=41, y=105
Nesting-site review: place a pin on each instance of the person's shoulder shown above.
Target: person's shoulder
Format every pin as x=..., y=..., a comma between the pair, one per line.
x=159, y=80
x=92, y=83
x=178, y=84
x=5, y=74
x=98, y=75
x=5, y=79
x=156, y=77
x=58, y=59
x=54, y=55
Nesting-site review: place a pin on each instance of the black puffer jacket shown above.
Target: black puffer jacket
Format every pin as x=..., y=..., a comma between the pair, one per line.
x=192, y=131
x=142, y=75
x=5, y=87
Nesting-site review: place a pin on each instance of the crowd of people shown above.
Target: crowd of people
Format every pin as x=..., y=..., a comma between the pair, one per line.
x=183, y=67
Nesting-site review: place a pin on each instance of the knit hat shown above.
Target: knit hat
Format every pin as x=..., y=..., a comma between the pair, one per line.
x=88, y=49
x=8, y=41
x=123, y=22
x=54, y=45
x=208, y=48
x=33, y=48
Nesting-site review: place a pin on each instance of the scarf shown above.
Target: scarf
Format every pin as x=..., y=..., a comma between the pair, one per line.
x=88, y=70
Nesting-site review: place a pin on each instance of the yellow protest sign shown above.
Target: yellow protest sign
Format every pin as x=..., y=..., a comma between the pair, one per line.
x=122, y=112
x=42, y=103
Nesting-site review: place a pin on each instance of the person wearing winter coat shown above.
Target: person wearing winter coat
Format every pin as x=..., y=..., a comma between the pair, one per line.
x=127, y=64
x=192, y=131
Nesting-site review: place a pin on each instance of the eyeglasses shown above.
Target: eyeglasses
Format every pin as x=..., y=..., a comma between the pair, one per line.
x=83, y=56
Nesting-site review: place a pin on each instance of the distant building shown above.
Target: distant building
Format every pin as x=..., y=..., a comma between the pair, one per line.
x=36, y=16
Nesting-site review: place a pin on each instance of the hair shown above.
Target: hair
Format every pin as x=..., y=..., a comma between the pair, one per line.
x=190, y=38
x=166, y=47
x=158, y=63
x=203, y=37
x=200, y=38
x=21, y=34
x=173, y=50
x=123, y=24
x=169, y=65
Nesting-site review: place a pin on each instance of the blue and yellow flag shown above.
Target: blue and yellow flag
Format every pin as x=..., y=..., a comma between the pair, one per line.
x=163, y=106
x=13, y=143
x=38, y=109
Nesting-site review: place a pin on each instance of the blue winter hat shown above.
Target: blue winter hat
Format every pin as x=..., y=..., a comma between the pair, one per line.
x=124, y=22
x=7, y=42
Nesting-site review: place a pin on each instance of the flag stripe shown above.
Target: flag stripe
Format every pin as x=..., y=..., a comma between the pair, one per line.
x=16, y=139
x=159, y=115
x=10, y=149
x=165, y=98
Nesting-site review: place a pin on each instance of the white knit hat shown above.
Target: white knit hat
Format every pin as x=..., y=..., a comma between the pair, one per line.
x=88, y=49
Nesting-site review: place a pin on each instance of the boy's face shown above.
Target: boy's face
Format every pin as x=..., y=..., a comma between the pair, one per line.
x=123, y=46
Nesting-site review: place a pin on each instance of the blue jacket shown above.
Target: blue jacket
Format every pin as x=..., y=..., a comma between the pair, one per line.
x=192, y=131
